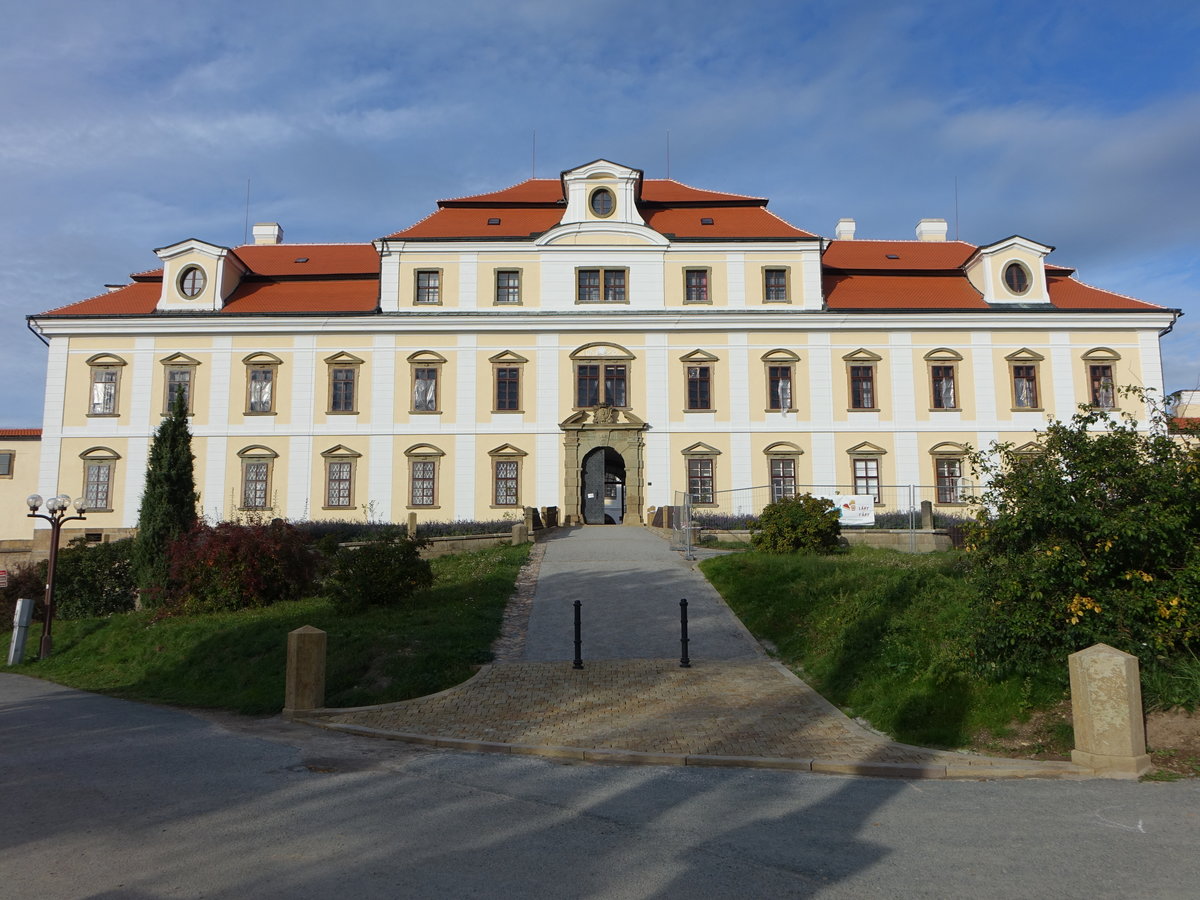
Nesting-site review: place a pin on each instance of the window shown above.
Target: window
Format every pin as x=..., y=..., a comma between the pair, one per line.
x=1025, y=390
x=6, y=463
x=343, y=382
x=783, y=479
x=775, y=286
x=506, y=482
x=508, y=388
x=422, y=475
x=257, y=463
x=700, y=479
x=695, y=286
x=699, y=388
x=339, y=476
x=429, y=286
x=866, y=477
x=779, y=387
x=1016, y=278
x=592, y=390
x=1103, y=394
x=862, y=387
x=98, y=466
x=179, y=383
x=943, y=387
x=508, y=286
x=602, y=203
x=106, y=384
x=949, y=480
x=426, y=372
x=192, y=281
x=600, y=285
x=260, y=383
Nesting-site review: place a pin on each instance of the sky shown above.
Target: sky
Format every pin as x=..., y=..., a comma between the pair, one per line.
x=126, y=126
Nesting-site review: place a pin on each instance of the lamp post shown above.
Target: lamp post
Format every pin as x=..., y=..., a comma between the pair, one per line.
x=55, y=514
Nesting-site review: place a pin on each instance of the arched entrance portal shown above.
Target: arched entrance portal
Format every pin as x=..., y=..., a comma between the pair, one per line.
x=604, y=453
x=602, y=497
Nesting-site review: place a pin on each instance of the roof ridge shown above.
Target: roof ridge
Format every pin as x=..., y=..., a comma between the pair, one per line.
x=497, y=191
x=425, y=218
x=787, y=223
x=1086, y=284
x=708, y=190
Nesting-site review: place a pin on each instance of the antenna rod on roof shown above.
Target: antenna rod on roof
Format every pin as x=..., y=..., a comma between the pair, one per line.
x=246, y=226
x=668, y=154
x=533, y=161
x=956, y=207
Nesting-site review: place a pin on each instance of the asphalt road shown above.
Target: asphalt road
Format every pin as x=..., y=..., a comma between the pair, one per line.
x=102, y=798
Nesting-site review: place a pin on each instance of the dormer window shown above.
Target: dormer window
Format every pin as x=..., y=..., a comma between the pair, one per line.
x=602, y=203
x=1016, y=278
x=192, y=281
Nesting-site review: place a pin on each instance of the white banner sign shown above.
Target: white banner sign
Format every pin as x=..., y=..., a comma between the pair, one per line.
x=855, y=509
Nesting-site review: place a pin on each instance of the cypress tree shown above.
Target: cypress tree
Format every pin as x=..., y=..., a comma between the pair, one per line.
x=168, y=502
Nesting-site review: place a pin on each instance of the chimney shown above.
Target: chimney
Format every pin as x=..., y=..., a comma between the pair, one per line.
x=844, y=230
x=932, y=230
x=268, y=233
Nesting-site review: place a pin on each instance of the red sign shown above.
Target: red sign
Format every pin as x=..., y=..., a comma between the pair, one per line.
x=3, y=577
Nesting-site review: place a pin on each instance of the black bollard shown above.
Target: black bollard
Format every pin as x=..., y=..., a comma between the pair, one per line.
x=684, y=661
x=578, y=640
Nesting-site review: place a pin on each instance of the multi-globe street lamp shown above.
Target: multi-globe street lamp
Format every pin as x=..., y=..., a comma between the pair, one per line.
x=56, y=514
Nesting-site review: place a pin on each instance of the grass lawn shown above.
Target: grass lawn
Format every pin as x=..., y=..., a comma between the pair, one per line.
x=884, y=635
x=236, y=660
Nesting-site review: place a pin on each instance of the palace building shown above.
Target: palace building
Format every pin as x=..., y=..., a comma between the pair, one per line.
x=596, y=342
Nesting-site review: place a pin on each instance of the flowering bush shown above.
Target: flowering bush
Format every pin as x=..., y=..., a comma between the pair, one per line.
x=238, y=566
x=1094, y=538
x=803, y=522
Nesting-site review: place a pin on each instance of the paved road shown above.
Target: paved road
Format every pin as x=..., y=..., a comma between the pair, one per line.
x=630, y=583
x=103, y=798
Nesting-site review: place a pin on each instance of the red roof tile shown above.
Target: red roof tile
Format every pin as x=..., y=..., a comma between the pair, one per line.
x=1067, y=293
x=1177, y=425
x=665, y=190
x=727, y=222
x=532, y=190
x=9, y=433
x=137, y=299
x=279, y=260
x=910, y=255
x=332, y=296
x=471, y=223
x=900, y=292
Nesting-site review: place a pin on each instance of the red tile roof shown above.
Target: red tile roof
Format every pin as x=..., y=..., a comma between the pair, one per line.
x=1177, y=425
x=727, y=222
x=1067, y=293
x=137, y=299
x=910, y=255
x=471, y=223
x=947, y=291
x=8, y=433
x=280, y=260
x=327, y=295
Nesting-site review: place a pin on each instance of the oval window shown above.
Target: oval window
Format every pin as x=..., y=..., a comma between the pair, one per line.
x=602, y=202
x=192, y=281
x=1016, y=276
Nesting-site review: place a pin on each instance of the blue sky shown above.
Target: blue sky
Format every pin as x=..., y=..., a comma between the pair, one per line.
x=132, y=125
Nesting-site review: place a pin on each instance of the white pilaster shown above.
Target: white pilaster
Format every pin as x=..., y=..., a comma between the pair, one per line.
x=299, y=504
x=215, y=503
x=820, y=380
x=382, y=461
x=467, y=481
x=983, y=373
x=735, y=272
x=468, y=281
x=905, y=387
x=1065, y=372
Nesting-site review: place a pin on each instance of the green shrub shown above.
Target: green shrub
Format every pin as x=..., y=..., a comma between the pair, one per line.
x=381, y=572
x=93, y=581
x=803, y=522
x=25, y=580
x=1094, y=538
x=238, y=566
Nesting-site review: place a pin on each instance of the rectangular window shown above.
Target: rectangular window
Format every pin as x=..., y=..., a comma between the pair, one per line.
x=866, y=477
x=1025, y=391
x=429, y=286
x=425, y=398
x=590, y=390
x=783, y=479
x=775, y=287
x=949, y=481
x=179, y=380
x=508, y=388
x=700, y=480
x=104, y=391
x=255, y=479
x=6, y=463
x=862, y=387
x=695, y=286
x=262, y=397
x=97, y=487
x=943, y=387
x=600, y=286
x=779, y=387
x=1103, y=393
x=338, y=483
x=699, y=387
x=423, y=482
x=341, y=389
x=506, y=482
x=508, y=286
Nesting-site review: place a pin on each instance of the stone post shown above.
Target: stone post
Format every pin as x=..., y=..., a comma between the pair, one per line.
x=520, y=535
x=1106, y=706
x=305, y=671
x=412, y=524
x=529, y=518
x=927, y=514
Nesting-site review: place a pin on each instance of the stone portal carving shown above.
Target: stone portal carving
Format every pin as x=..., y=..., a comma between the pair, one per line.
x=604, y=427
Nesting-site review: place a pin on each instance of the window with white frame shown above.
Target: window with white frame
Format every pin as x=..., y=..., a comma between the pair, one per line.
x=1023, y=370
x=179, y=376
x=343, y=371
x=99, y=465
x=866, y=476
x=600, y=285
x=257, y=465
x=783, y=478
x=423, y=462
x=695, y=286
x=508, y=286
x=106, y=384
x=261, y=372
x=426, y=367
x=775, y=286
x=339, y=476
x=701, y=479
x=949, y=473
x=429, y=286
x=506, y=475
